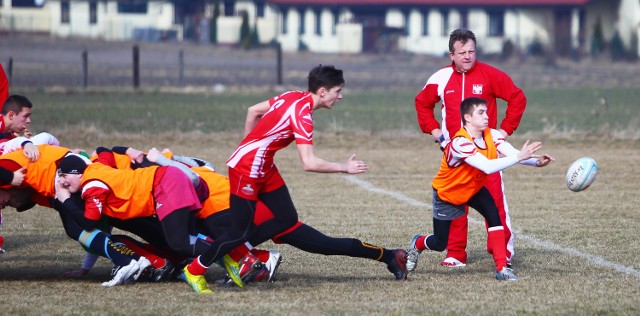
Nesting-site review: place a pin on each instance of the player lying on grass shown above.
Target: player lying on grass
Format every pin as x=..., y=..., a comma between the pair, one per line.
x=467, y=160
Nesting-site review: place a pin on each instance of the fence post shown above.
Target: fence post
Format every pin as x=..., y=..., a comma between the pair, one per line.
x=279, y=62
x=181, y=68
x=136, y=67
x=85, y=68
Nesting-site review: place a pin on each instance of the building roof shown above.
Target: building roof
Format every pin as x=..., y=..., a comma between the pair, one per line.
x=434, y=2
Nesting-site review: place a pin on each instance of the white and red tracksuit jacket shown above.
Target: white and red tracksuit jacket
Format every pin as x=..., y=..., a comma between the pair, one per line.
x=451, y=87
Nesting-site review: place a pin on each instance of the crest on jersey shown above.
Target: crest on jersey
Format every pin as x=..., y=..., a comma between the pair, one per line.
x=477, y=89
x=248, y=190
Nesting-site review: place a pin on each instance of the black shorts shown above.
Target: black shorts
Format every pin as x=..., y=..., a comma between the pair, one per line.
x=446, y=211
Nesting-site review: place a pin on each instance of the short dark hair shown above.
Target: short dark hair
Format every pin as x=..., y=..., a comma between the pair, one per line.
x=468, y=105
x=15, y=103
x=462, y=36
x=324, y=77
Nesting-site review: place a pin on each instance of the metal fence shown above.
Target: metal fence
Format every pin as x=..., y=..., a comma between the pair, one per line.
x=42, y=62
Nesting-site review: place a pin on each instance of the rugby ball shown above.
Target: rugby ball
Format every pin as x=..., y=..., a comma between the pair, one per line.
x=581, y=174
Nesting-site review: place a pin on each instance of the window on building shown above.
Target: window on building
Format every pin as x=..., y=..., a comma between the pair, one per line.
x=260, y=9
x=285, y=25
x=26, y=3
x=64, y=12
x=302, y=28
x=425, y=23
x=445, y=22
x=229, y=7
x=496, y=23
x=138, y=7
x=464, y=19
x=93, y=12
x=318, y=15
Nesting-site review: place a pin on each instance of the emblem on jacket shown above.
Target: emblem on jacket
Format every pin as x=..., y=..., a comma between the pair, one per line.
x=477, y=89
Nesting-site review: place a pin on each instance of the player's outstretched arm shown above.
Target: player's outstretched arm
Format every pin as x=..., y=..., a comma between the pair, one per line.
x=312, y=163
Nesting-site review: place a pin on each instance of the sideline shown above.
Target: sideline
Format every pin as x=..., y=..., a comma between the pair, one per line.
x=597, y=260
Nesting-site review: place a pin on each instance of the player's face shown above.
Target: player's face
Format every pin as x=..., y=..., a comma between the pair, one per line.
x=19, y=121
x=70, y=182
x=479, y=117
x=464, y=55
x=329, y=97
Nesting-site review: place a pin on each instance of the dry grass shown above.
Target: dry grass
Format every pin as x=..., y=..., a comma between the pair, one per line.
x=599, y=225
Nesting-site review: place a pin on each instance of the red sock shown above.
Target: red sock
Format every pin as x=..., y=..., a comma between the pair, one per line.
x=263, y=255
x=1, y=241
x=496, y=241
x=196, y=268
x=420, y=243
x=156, y=261
x=238, y=253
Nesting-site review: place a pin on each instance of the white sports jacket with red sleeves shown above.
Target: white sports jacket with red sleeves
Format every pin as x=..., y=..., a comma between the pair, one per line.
x=451, y=87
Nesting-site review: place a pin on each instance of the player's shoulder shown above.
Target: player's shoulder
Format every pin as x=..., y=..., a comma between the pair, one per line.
x=461, y=143
x=292, y=95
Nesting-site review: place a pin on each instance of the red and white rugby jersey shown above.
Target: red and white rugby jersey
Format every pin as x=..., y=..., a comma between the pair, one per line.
x=288, y=119
x=451, y=87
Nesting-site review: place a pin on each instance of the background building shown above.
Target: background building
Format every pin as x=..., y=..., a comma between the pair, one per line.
x=558, y=27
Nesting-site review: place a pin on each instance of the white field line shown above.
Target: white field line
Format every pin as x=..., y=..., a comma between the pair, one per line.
x=597, y=260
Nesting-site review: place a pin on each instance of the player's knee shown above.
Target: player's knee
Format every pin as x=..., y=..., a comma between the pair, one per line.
x=181, y=247
x=436, y=244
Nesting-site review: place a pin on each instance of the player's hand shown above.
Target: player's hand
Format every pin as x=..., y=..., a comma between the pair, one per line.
x=153, y=154
x=31, y=152
x=18, y=176
x=75, y=274
x=437, y=135
x=62, y=193
x=353, y=166
x=27, y=133
x=135, y=155
x=544, y=160
x=528, y=150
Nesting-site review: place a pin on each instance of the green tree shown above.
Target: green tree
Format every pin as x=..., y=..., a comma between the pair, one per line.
x=245, y=31
x=255, y=39
x=597, y=39
x=618, y=51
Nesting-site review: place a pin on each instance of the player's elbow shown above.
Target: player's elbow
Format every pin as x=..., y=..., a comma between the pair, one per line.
x=308, y=167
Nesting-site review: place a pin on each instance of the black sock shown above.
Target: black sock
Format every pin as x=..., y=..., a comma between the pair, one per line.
x=100, y=243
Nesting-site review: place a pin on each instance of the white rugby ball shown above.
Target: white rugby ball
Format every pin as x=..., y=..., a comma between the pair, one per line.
x=581, y=174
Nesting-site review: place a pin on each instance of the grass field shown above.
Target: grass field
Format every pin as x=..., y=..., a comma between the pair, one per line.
x=575, y=252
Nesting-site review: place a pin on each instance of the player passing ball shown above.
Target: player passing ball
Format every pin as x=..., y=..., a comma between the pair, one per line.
x=467, y=161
